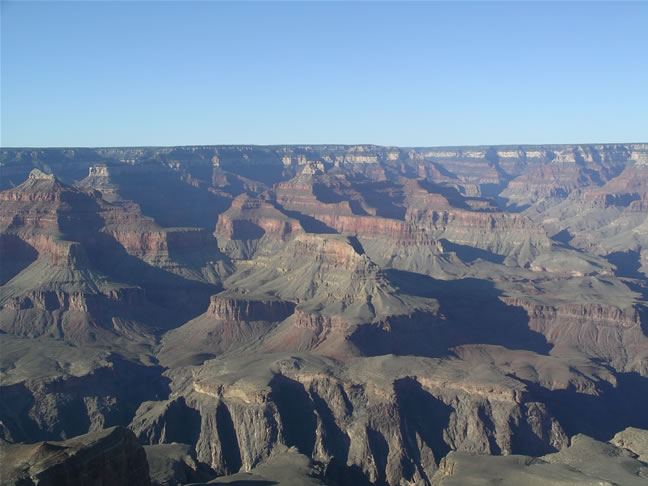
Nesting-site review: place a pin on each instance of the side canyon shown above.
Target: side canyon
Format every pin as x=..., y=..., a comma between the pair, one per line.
x=332, y=314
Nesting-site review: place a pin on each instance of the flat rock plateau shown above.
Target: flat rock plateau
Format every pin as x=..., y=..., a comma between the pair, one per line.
x=325, y=315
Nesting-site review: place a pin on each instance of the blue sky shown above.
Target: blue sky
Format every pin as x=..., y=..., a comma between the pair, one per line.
x=408, y=74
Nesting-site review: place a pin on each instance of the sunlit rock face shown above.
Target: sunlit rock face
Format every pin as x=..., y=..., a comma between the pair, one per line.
x=338, y=314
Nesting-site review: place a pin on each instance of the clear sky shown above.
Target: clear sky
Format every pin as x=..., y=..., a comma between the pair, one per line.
x=408, y=74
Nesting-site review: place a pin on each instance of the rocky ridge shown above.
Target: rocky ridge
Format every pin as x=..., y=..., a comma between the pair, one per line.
x=355, y=314
x=111, y=456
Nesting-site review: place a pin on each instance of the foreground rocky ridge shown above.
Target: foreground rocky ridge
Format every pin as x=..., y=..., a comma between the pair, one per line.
x=111, y=456
x=585, y=462
x=356, y=314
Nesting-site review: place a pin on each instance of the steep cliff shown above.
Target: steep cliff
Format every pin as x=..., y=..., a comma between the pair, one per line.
x=349, y=314
x=390, y=419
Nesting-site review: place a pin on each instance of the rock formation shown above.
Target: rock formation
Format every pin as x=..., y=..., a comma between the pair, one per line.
x=348, y=315
x=584, y=462
x=111, y=456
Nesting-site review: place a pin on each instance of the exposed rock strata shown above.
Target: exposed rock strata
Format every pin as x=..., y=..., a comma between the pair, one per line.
x=604, y=331
x=355, y=314
x=376, y=420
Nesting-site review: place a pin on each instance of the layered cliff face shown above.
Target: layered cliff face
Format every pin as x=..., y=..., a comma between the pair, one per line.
x=603, y=218
x=77, y=260
x=421, y=214
x=251, y=224
x=43, y=210
x=390, y=419
x=230, y=322
x=350, y=314
x=556, y=179
x=324, y=273
x=57, y=289
x=609, y=332
x=568, y=168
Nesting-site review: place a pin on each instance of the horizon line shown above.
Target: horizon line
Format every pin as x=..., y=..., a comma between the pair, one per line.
x=95, y=147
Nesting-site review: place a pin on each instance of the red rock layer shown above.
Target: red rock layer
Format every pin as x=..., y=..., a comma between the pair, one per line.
x=251, y=218
x=551, y=180
x=639, y=206
x=605, y=331
x=127, y=298
x=241, y=309
x=296, y=195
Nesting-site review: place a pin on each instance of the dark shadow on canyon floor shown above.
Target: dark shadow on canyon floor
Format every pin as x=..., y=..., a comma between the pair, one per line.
x=628, y=264
x=310, y=224
x=473, y=313
x=469, y=254
x=170, y=201
x=114, y=391
x=599, y=416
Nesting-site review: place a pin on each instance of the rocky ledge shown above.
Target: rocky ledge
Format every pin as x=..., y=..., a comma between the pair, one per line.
x=108, y=457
